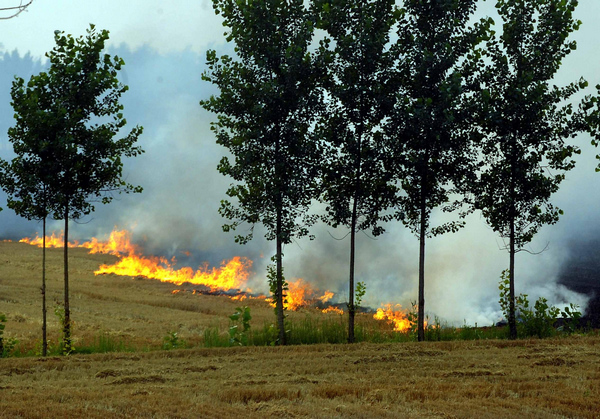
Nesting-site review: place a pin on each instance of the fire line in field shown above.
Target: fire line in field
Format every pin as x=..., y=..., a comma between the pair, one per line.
x=232, y=274
x=230, y=278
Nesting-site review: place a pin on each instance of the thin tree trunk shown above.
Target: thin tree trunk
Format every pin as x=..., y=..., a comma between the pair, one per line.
x=279, y=296
x=44, y=319
x=351, y=307
x=67, y=320
x=512, y=321
x=421, y=307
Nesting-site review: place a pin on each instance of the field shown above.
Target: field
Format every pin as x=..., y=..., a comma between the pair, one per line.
x=485, y=378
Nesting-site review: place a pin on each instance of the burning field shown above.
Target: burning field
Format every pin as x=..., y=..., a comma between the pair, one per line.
x=230, y=279
x=485, y=379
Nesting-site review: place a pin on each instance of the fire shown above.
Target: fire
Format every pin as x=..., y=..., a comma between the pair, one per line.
x=301, y=294
x=398, y=318
x=232, y=274
x=54, y=240
x=326, y=297
x=332, y=309
x=118, y=243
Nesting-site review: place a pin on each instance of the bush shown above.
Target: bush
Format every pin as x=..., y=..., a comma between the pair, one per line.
x=6, y=345
x=540, y=320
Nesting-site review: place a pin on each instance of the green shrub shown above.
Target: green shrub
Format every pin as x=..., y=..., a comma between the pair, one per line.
x=540, y=319
x=238, y=336
x=7, y=345
x=173, y=341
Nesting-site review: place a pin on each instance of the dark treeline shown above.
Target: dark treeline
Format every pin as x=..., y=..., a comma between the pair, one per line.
x=385, y=110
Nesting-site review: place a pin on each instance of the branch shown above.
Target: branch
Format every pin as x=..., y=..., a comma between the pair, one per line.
x=532, y=252
x=365, y=233
x=340, y=239
x=15, y=10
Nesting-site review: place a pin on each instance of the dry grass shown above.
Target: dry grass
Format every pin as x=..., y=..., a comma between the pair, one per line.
x=532, y=378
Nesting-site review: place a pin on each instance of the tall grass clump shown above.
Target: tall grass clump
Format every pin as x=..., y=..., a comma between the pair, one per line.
x=104, y=343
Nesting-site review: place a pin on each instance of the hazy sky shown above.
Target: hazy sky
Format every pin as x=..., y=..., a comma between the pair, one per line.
x=163, y=44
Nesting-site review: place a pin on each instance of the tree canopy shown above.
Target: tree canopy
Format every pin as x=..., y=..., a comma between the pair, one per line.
x=265, y=111
x=65, y=122
x=528, y=122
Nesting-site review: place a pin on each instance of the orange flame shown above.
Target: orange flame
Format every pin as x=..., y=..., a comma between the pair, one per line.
x=398, y=318
x=232, y=274
x=54, y=240
x=301, y=294
x=332, y=309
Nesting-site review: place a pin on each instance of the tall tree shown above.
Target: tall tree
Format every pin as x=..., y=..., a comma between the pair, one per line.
x=66, y=121
x=25, y=181
x=357, y=187
x=528, y=123
x=431, y=130
x=266, y=108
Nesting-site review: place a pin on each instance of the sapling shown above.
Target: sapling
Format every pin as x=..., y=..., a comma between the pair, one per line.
x=236, y=336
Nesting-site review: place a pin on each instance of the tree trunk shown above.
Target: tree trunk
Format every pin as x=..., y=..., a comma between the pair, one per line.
x=44, y=319
x=279, y=295
x=512, y=321
x=67, y=319
x=351, y=307
x=421, y=307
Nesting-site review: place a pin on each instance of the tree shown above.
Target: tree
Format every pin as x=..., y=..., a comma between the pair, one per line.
x=267, y=102
x=14, y=10
x=25, y=180
x=66, y=121
x=431, y=131
x=528, y=122
x=357, y=187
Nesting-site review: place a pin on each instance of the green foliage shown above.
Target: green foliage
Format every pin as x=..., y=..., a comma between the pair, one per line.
x=527, y=122
x=272, y=279
x=7, y=345
x=65, y=343
x=537, y=321
x=572, y=317
x=504, y=287
x=240, y=326
x=356, y=187
x=212, y=338
x=65, y=122
x=412, y=317
x=361, y=290
x=265, y=113
x=173, y=341
x=527, y=119
x=66, y=119
x=104, y=343
x=431, y=133
x=540, y=319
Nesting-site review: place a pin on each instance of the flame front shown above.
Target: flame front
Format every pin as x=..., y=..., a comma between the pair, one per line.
x=54, y=240
x=398, y=318
x=333, y=309
x=232, y=274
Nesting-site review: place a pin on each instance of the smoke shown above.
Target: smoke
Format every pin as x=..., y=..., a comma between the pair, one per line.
x=177, y=211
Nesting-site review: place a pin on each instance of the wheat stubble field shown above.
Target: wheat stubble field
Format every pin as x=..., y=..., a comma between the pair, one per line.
x=552, y=378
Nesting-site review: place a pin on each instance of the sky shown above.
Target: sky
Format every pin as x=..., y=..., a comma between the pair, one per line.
x=164, y=46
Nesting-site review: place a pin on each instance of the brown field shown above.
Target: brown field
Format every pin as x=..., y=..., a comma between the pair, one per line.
x=552, y=378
